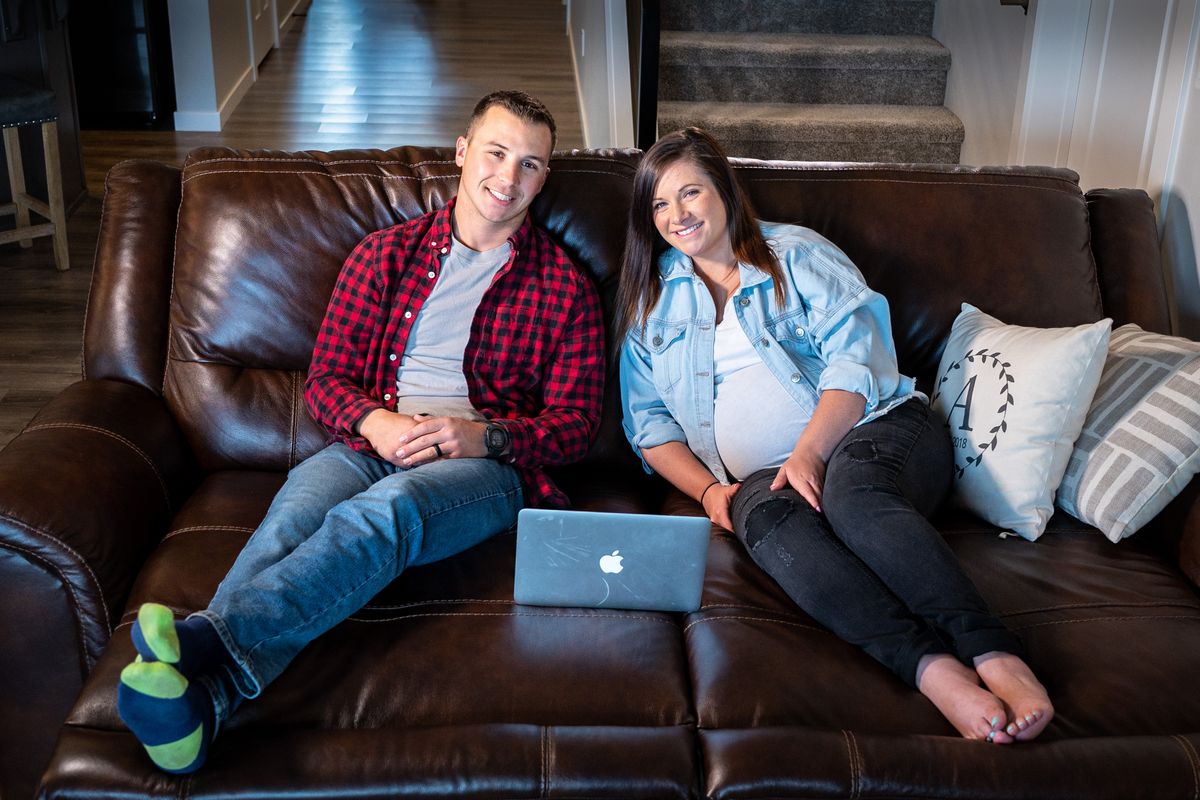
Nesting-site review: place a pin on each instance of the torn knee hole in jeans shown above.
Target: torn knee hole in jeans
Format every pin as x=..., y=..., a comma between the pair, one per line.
x=861, y=450
x=765, y=519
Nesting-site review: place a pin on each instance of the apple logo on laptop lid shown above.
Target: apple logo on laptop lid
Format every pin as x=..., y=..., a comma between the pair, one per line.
x=611, y=563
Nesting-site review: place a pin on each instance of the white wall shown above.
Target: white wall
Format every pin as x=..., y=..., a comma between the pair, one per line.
x=233, y=61
x=192, y=59
x=985, y=41
x=211, y=53
x=600, y=54
x=1180, y=203
x=1105, y=87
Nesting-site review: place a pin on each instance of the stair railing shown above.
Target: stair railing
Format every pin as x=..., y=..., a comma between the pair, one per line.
x=646, y=73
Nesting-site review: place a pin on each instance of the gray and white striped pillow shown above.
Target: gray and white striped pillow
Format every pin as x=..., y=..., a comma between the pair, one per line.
x=1140, y=443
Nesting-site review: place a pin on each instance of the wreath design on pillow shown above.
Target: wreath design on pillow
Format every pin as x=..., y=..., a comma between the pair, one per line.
x=1005, y=380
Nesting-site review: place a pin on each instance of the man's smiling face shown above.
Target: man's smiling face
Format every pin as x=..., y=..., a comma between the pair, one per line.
x=504, y=162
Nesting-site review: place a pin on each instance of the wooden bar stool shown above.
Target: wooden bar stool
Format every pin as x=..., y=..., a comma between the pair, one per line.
x=22, y=104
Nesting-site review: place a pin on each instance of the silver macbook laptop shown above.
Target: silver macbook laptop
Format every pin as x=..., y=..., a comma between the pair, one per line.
x=600, y=560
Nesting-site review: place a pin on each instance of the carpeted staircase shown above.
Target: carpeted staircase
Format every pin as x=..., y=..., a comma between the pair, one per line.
x=814, y=80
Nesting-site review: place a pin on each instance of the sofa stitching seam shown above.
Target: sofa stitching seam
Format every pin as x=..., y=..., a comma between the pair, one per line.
x=1071, y=606
x=741, y=163
x=853, y=765
x=1103, y=619
x=636, y=617
x=753, y=619
x=1193, y=760
x=381, y=162
x=444, y=601
x=59, y=572
x=82, y=562
x=368, y=175
x=171, y=293
x=162, y=484
x=194, y=528
x=87, y=306
x=861, y=764
x=544, y=789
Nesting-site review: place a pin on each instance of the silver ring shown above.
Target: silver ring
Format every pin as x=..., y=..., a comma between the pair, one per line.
x=437, y=449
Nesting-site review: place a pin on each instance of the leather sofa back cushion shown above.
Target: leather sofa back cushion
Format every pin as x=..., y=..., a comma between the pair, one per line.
x=261, y=237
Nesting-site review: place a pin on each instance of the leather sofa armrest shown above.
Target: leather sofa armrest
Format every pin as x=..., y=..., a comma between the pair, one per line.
x=1181, y=522
x=87, y=490
x=1128, y=260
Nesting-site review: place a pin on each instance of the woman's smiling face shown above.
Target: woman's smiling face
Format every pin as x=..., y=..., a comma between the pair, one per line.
x=690, y=215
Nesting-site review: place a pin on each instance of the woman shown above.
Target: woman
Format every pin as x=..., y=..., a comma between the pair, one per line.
x=758, y=375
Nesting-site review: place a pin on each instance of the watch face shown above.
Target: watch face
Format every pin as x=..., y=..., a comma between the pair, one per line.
x=497, y=438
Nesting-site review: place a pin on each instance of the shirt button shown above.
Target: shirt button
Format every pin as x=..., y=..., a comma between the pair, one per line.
x=444, y=250
x=657, y=341
x=433, y=244
x=743, y=301
x=795, y=377
x=799, y=331
x=764, y=342
x=387, y=397
x=432, y=274
x=408, y=315
x=392, y=357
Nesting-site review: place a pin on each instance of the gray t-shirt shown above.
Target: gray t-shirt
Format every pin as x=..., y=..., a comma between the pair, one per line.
x=430, y=377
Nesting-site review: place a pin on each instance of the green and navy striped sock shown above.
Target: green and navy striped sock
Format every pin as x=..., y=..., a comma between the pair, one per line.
x=171, y=716
x=190, y=645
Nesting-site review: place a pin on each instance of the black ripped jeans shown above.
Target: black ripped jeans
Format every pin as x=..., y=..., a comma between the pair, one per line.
x=871, y=568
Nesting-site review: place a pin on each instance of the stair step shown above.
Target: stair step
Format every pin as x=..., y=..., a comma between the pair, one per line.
x=824, y=132
x=800, y=16
x=802, y=68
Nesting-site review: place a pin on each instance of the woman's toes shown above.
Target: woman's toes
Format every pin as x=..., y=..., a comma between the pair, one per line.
x=1037, y=722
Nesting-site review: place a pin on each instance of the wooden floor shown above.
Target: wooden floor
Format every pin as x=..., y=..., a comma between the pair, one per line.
x=349, y=74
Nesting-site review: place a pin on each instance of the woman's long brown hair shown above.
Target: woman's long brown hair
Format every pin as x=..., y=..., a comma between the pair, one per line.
x=639, y=287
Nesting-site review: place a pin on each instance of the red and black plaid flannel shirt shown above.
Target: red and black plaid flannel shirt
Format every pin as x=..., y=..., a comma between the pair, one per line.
x=534, y=357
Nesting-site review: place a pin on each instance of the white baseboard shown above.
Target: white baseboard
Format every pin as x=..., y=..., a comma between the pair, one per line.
x=197, y=121
x=237, y=93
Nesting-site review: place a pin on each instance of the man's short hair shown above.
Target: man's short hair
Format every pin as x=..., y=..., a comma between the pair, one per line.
x=520, y=104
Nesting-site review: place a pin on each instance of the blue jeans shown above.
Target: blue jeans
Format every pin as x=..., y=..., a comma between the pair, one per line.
x=344, y=526
x=871, y=568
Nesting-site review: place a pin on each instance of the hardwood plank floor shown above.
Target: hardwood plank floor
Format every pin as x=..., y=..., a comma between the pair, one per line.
x=349, y=74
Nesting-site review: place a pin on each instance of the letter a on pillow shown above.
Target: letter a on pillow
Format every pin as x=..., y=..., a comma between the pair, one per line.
x=1014, y=400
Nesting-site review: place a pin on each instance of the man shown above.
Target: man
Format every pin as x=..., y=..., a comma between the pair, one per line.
x=460, y=354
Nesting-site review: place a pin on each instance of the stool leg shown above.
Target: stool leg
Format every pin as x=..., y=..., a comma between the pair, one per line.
x=16, y=179
x=58, y=216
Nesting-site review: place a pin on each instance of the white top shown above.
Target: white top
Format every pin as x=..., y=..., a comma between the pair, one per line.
x=430, y=377
x=756, y=421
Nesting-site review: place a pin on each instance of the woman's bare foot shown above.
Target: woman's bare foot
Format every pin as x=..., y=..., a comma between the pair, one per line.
x=950, y=685
x=1013, y=681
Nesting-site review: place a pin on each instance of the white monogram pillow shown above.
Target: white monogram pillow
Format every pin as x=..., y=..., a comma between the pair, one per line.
x=1014, y=400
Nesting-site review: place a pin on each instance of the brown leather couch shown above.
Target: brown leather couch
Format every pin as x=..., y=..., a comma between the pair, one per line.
x=142, y=481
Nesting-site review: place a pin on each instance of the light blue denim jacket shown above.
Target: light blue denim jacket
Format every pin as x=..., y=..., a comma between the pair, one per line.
x=833, y=332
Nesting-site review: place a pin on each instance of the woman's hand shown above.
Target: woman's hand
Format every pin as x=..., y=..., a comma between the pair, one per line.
x=716, y=502
x=804, y=471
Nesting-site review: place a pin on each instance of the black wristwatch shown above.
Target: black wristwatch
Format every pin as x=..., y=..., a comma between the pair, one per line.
x=495, y=437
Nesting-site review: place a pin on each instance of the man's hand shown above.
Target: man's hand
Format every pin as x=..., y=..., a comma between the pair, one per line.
x=441, y=437
x=383, y=429
x=717, y=499
x=805, y=471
